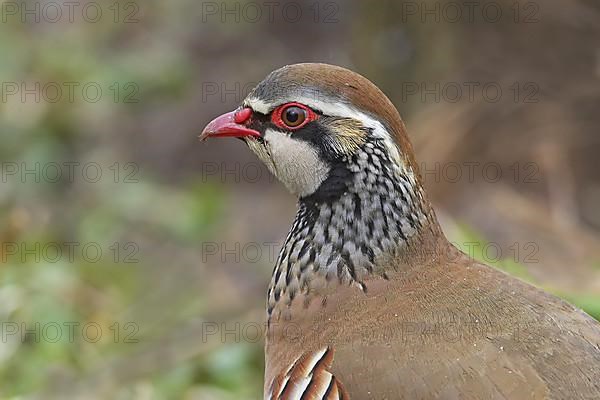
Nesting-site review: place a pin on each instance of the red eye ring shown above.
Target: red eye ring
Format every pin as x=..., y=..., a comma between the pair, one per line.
x=280, y=119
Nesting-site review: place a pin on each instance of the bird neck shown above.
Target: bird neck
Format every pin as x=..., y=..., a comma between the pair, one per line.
x=364, y=216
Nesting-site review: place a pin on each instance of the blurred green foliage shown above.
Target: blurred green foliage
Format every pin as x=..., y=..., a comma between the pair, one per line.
x=149, y=310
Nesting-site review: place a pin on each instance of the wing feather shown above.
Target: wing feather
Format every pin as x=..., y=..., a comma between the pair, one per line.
x=309, y=378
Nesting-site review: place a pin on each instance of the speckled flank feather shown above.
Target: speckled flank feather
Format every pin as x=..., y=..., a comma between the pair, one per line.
x=308, y=378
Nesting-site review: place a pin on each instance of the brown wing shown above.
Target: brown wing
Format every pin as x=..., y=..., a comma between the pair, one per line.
x=309, y=378
x=454, y=330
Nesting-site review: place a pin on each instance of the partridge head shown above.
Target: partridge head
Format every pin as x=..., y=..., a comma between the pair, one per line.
x=367, y=279
x=337, y=142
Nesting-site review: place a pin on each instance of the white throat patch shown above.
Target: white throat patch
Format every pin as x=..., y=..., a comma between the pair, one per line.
x=294, y=162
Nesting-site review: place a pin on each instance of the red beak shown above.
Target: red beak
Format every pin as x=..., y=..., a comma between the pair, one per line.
x=230, y=125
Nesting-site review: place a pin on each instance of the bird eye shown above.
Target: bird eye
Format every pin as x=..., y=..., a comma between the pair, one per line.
x=293, y=116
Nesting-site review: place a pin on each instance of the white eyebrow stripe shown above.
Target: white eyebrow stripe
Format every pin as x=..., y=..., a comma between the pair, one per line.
x=334, y=109
x=257, y=105
x=337, y=109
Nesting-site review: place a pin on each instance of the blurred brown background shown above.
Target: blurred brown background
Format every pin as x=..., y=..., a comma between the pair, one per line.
x=173, y=241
